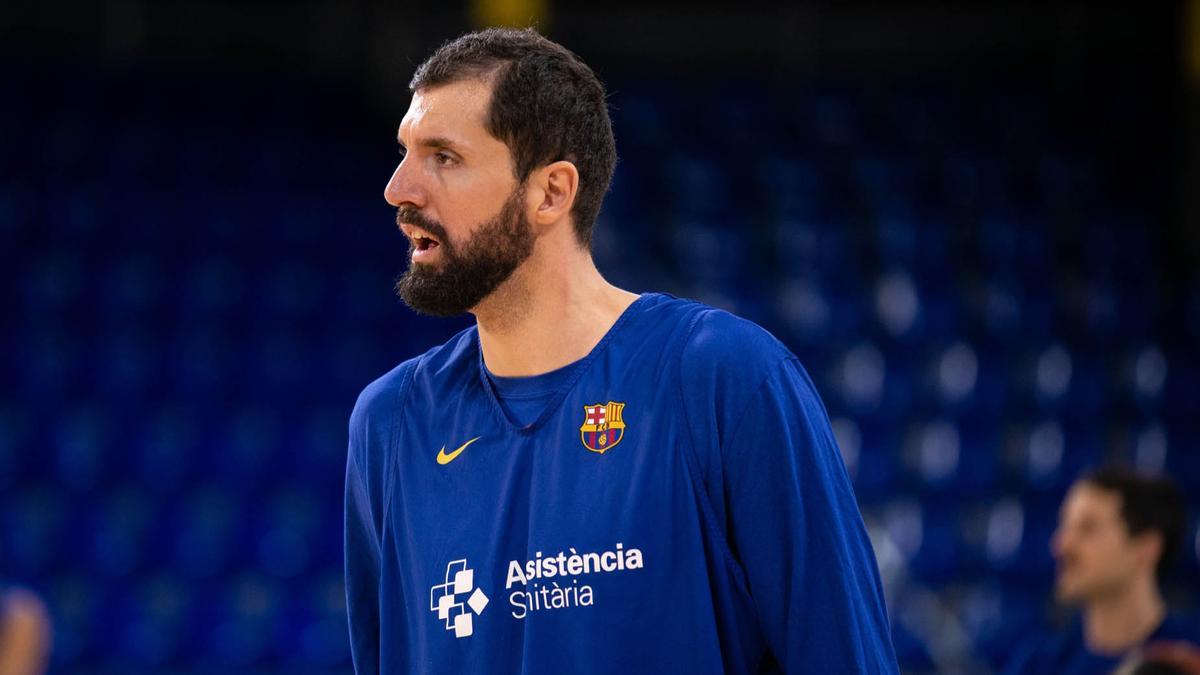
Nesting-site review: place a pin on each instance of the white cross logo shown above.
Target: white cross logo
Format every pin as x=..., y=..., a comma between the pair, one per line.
x=444, y=599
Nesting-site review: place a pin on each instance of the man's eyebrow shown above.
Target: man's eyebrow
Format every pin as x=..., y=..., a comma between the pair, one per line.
x=436, y=142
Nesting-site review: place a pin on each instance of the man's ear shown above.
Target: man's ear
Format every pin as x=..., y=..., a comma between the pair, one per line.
x=552, y=192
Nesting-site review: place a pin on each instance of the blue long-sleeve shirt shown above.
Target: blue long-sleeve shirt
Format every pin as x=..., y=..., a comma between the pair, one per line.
x=677, y=505
x=1067, y=652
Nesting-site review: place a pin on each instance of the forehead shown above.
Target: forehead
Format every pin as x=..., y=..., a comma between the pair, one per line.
x=455, y=111
x=1085, y=500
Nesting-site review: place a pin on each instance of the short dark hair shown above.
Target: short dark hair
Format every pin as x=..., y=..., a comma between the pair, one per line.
x=1148, y=504
x=547, y=105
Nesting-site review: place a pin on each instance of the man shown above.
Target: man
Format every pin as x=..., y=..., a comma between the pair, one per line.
x=1118, y=533
x=587, y=480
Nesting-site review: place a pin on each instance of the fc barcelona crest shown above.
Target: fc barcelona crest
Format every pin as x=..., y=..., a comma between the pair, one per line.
x=602, y=426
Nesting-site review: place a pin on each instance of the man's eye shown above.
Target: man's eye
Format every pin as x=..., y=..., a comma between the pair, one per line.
x=444, y=159
x=403, y=152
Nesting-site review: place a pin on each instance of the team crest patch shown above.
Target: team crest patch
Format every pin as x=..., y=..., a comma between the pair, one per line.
x=602, y=427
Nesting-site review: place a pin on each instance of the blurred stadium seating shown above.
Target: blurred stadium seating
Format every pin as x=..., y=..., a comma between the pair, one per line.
x=197, y=284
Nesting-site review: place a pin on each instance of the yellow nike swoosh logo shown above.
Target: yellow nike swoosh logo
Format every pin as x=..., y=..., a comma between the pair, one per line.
x=444, y=458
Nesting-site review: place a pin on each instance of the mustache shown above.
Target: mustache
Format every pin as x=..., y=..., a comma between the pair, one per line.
x=407, y=215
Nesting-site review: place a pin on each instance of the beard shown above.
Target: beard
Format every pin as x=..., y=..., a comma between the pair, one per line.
x=465, y=277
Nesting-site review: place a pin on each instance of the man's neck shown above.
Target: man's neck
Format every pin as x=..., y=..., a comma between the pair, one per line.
x=549, y=314
x=1114, y=624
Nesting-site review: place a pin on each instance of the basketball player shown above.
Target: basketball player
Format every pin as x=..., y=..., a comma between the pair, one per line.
x=586, y=480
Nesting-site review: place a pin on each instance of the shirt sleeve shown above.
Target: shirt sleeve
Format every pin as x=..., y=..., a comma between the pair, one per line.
x=362, y=554
x=794, y=525
x=369, y=456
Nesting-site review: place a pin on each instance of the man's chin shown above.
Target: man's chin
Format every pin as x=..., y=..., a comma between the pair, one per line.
x=1067, y=593
x=421, y=296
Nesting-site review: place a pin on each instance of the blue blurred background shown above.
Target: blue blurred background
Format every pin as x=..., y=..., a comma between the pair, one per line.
x=976, y=226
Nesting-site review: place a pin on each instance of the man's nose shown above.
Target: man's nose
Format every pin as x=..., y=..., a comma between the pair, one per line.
x=404, y=187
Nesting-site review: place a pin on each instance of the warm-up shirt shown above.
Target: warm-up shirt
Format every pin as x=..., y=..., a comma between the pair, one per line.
x=675, y=504
x=1066, y=653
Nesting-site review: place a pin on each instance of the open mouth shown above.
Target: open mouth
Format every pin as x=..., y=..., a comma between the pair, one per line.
x=424, y=243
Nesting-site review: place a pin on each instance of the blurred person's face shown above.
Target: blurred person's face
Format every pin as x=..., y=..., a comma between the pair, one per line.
x=1096, y=555
x=457, y=201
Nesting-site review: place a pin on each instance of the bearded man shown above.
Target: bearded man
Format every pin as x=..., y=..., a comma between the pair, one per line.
x=586, y=480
